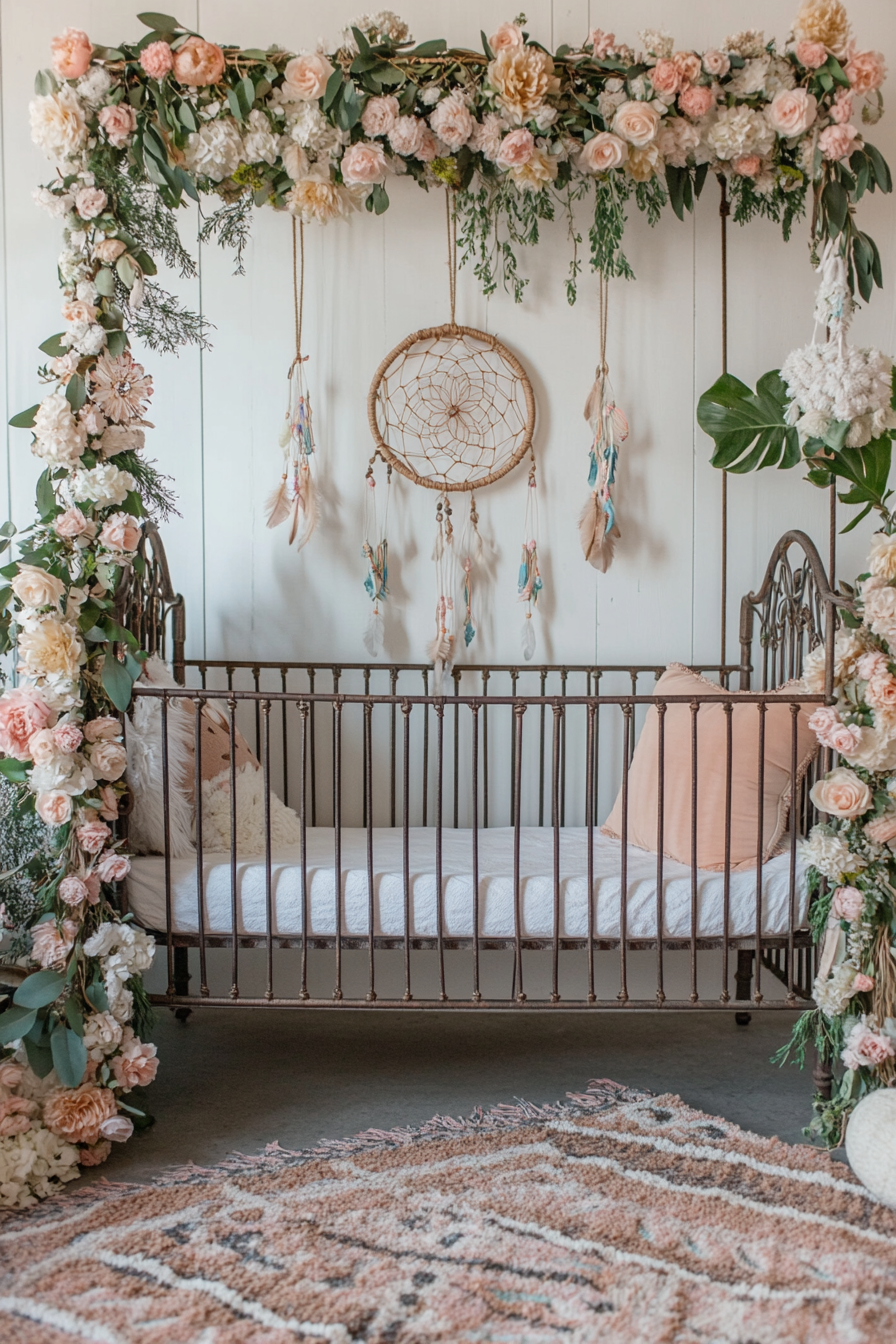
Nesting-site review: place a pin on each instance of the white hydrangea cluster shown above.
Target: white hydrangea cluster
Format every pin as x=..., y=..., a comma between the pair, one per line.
x=834, y=993
x=829, y=854
x=33, y=1165
x=104, y=485
x=838, y=381
x=124, y=950
x=740, y=131
x=215, y=151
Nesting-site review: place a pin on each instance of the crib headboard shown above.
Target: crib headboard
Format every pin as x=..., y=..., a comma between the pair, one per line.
x=793, y=611
x=147, y=604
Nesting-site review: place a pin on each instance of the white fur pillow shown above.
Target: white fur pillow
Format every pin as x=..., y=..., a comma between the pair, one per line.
x=250, y=836
x=146, y=823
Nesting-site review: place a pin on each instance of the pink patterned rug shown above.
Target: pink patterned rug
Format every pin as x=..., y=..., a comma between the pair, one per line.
x=618, y=1216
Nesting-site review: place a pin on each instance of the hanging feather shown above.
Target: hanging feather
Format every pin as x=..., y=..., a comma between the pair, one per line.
x=304, y=507
x=376, y=581
x=373, y=635
x=469, y=627
x=594, y=400
x=528, y=638
x=296, y=498
x=277, y=505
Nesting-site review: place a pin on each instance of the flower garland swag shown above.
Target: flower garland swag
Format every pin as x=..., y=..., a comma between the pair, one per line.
x=852, y=854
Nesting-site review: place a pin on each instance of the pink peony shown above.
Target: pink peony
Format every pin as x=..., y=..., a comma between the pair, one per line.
x=848, y=903
x=49, y=946
x=882, y=829
x=837, y=142
x=866, y=71
x=92, y=836
x=862, y=983
x=102, y=730
x=406, y=136
x=157, y=59
x=747, y=166
x=22, y=714
x=379, y=115
x=716, y=63
x=68, y=737
x=602, y=44
x=866, y=1048
x=791, y=112
x=72, y=890
x=666, y=76
x=811, y=54
x=841, y=107
x=136, y=1065
x=108, y=803
x=429, y=146
x=113, y=867
x=120, y=533
x=15, y=1116
x=696, y=100
x=71, y=52
x=118, y=1128
x=108, y=760
x=516, y=148
x=602, y=152
x=90, y=202
x=97, y=1153
x=363, y=164
x=689, y=66
x=452, y=120
x=198, y=63
x=119, y=123
x=54, y=807
x=508, y=35
x=70, y=524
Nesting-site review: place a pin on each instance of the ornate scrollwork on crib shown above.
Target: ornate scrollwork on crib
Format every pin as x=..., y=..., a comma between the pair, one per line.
x=147, y=604
x=796, y=609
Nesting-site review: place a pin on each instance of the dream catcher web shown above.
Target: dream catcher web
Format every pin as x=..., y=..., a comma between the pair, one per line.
x=452, y=409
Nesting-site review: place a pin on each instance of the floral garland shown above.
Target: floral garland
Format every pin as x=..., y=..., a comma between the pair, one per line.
x=852, y=855
x=514, y=131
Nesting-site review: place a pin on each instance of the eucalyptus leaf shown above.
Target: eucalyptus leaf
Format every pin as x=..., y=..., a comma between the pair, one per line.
x=25, y=419
x=45, y=82
x=39, y=989
x=117, y=682
x=69, y=1056
x=117, y=342
x=97, y=997
x=105, y=282
x=16, y=1023
x=15, y=771
x=53, y=346
x=76, y=391
x=162, y=23
x=749, y=428
x=39, y=1058
x=45, y=496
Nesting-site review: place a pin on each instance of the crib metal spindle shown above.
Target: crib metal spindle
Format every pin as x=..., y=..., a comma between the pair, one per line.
x=726, y=877
x=303, y=840
x=623, y=875
x=660, y=839
x=760, y=844
x=695, y=709
x=477, y=996
x=368, y=822
x=169, y=923
x=405, y=846
x=337, y=832
x=200, y=867
x=519, y=710
x=234, y=910
x=268, y=903
x=589, y=822
x=556, y=807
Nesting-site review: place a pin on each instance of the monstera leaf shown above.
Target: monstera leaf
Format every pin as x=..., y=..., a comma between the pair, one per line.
x=749, y=428
x=866, y=470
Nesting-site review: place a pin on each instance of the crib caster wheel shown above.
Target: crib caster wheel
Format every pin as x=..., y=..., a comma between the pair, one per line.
x=743, y=1019
x=183, y=1013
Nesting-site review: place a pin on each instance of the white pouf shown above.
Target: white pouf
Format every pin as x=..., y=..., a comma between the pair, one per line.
x=871, y=1143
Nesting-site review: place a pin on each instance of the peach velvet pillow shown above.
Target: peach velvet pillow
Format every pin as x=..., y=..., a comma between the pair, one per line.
x=711, y=776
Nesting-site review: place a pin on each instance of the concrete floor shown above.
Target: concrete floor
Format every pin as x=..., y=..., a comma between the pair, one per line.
x=236, y=1078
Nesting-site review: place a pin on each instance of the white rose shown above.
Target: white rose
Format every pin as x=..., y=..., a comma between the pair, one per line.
x=305, y=78
x=59, y=437
x=636, y=122
x=36, y=588
x=882, y=556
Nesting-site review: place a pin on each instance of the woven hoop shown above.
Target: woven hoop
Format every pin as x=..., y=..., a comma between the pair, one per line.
x=399, y=462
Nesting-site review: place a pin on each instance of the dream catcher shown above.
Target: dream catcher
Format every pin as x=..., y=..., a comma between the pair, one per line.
x=598, y=528
x=295, y=499
x=452, y=409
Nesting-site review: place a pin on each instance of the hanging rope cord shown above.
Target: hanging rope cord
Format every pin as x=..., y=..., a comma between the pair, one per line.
x=298, y=284
x=603, y=300
x=451, y=220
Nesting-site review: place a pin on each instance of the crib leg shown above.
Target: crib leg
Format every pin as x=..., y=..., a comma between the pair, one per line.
x=743, y=979
x=182, y=979
x=822, y=1074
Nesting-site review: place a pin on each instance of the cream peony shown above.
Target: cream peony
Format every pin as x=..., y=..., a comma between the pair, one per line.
x=452, y=120
x=317, y=199
x=59, y=437
x=77, y=1114
x=51, y=647
x=636, y=122
x=841, y=794
x=536, y=172
x=866, y=71
x=523, y=78
x=601, y=153
x=791, y=112
x=882, y=556
x=643, y=163
x=824, y=21
x=305, y=78
x=880, y=608
x=58, y=126
x=34, y=587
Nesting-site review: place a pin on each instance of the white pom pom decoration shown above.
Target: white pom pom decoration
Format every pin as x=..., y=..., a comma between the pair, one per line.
x=871, y=1143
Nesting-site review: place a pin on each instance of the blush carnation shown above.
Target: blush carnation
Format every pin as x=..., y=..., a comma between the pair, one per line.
x=96, y=1154
x=90, y=202
x=452, y=120
x=696, y=100
x=811, y=54
x=406, y=136
x=68, y=737
x=602, y=44
x=157, y=60
x=516, y=148
x=379, y=116
x=666, y=76
x=136, y=1065
x=747, y=166
x=72, y=890
x=848, y=903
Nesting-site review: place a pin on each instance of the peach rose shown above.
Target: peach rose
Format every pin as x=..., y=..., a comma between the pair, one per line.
x=866, y=71
x=109, y=249
x=102, y=730
x=841, y=794
x=602, y=152
x=108, y=803
x=136, y=1065
x=68, y=737
x=92, y=836
x=882, y=829
x=716, y=63
x=34, y=587
x=198, y=63
x=42, y=747
x=77, y=1114
x=72, y=890
x=22, y=714
x=119, y=123
x=108, y=760
x=305, y=78
x=516, y=148
x=379, y=115
x=508, y=35
x=791, y=112
x=602, y=44
x=880, y=693
x=811, y=54
x=15, y=1116
x=49, y=946
x=95, y=1155
x=747, y=166
x=845, y=738
x=637, y=123
x=157, y=59
x=696, y=100
x=54, y=808
x=120, y=533
x=73, y=310
x=113, y=867
x=364, y=163
x=90, y=202
x=837, y=142
x=665, y=76
x=689, y=66
x=71, y=52
x=862, y=983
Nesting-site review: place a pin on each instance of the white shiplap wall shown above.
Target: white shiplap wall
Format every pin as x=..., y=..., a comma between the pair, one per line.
x=370, y=282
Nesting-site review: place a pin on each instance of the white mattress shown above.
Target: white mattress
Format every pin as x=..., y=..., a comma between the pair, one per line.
x=146, y=889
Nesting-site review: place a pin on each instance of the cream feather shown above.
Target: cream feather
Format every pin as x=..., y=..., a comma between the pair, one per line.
x=277, y=505
x=598, y=545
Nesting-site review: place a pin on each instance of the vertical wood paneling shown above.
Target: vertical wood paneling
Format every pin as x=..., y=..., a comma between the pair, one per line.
x=368, y=283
